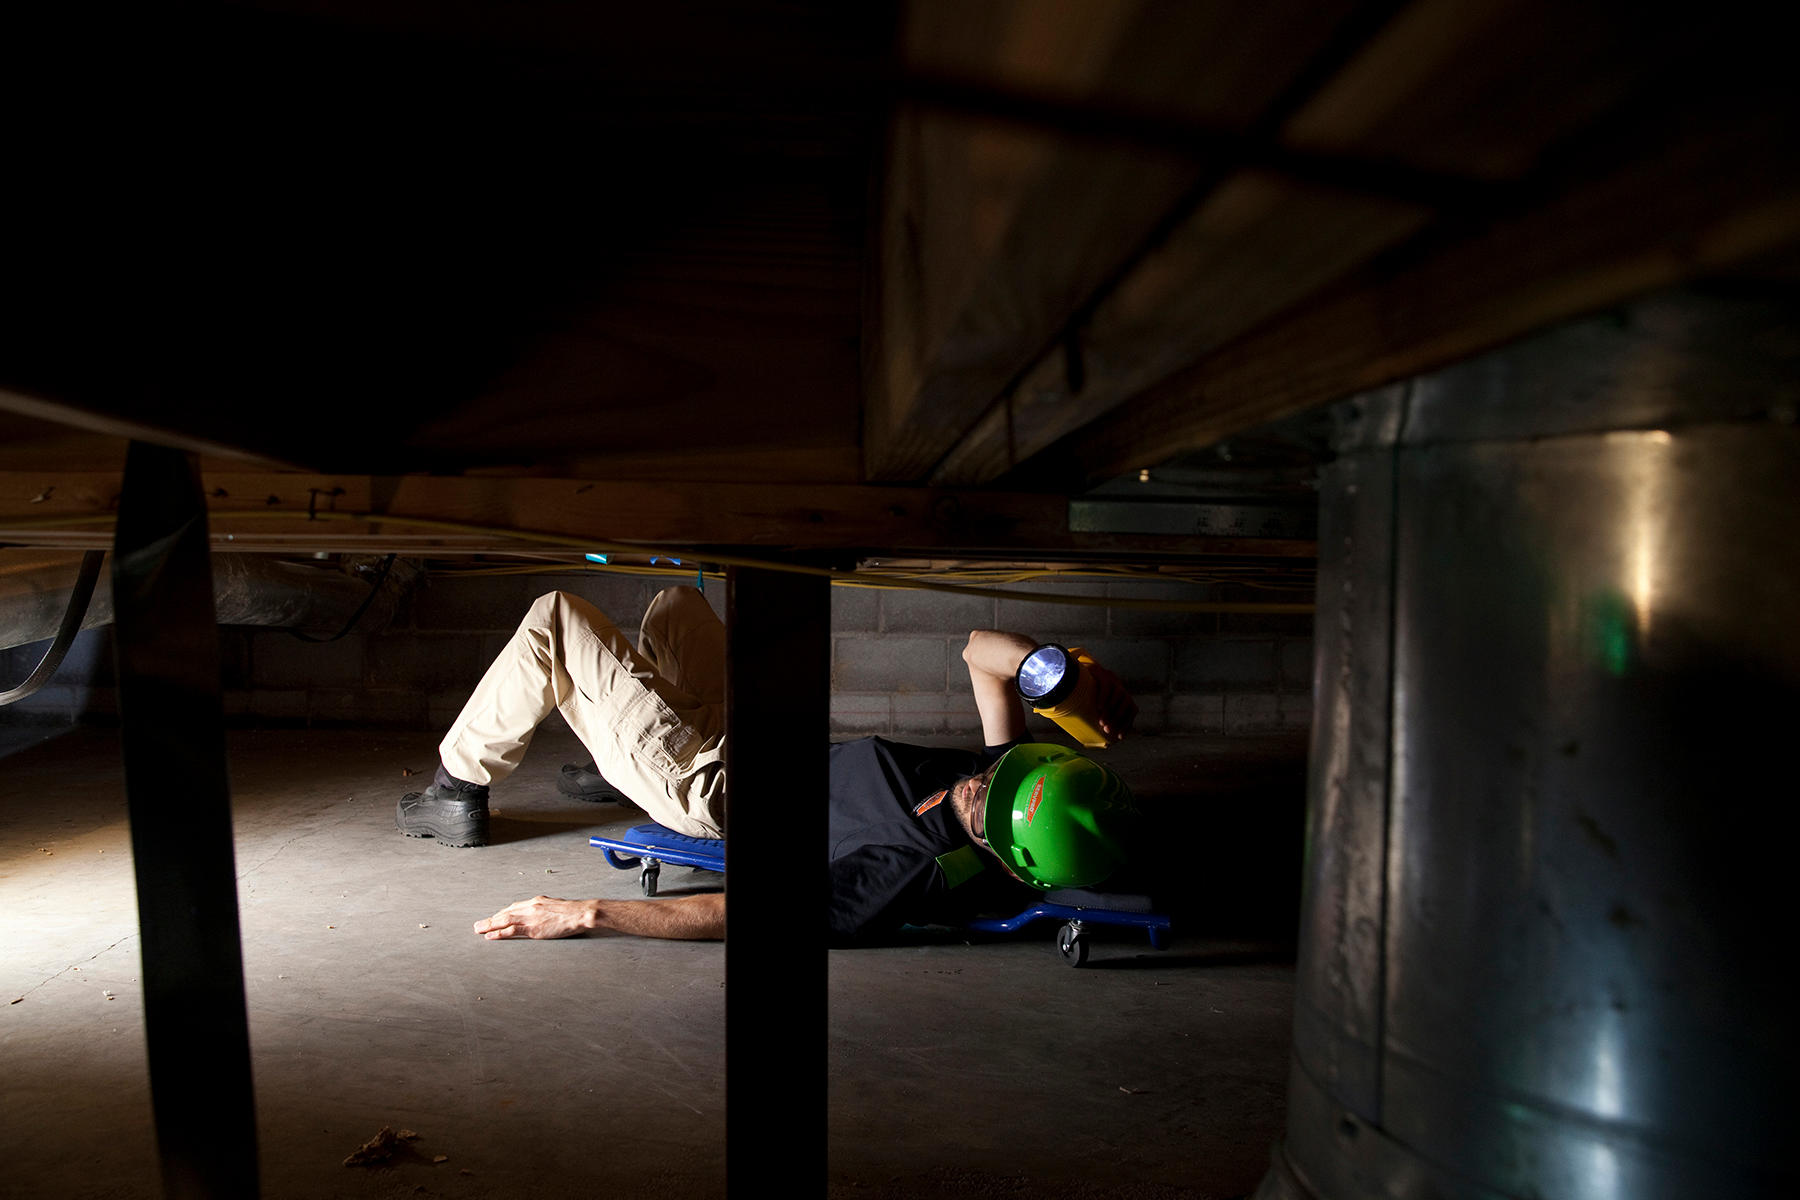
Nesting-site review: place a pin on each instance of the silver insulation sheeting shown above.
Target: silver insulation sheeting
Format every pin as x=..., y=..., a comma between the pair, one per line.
x=248, y=589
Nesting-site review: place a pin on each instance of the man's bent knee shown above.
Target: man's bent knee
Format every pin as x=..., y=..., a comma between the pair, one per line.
x=679, y=594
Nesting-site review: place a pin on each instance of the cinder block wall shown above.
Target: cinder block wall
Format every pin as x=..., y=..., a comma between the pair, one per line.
x=896, y=657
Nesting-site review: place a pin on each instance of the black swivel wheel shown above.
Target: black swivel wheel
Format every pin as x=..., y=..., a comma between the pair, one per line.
x=1071, y=945
x=647, y=876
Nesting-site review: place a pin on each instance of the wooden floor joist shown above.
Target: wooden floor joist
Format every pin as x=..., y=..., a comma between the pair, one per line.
x=465, y=515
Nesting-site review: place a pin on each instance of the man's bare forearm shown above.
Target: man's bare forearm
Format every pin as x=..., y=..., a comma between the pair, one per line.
x=994, y=655
x=997, y=653
x=690, y=918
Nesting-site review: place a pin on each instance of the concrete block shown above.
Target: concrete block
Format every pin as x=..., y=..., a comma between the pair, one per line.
x=481, y=602
x=402, y=708
x=855, y=610
x=869, y=663
x=1203, y=663
x=1143, y=663
x=861, y=713
x=623, y=598
x=958, y=683
x=1287, y=624
x=441, y=708
x=1138, y=622
x=1253, y=712
x=1153, y=716
x=234, y=658
x=1051, y=622
x=381, y=707
x=278, y=704
x=448, y=603
x=904, y=611
x=429, y=661
x=491, y=646
x=919, y=713
x=280, y=661
x=1196, y=712
x=1297, y=665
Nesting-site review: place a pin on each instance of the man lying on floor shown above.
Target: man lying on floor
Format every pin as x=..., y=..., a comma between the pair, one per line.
x=915, y=832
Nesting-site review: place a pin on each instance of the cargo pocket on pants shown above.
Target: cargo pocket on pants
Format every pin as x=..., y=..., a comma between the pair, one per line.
x=665, y=742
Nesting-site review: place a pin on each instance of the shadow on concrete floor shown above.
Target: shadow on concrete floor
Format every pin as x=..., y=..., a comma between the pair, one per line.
x=957, y=1066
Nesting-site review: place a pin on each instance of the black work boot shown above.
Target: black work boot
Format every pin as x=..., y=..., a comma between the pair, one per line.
x=584, y=782
x=451, y=810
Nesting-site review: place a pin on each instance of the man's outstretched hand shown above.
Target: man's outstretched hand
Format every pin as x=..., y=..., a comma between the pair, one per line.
x=698, y=916
x=539, y=917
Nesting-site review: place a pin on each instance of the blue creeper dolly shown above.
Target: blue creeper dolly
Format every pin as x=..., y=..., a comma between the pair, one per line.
x=650, y=845
x=1078, y=908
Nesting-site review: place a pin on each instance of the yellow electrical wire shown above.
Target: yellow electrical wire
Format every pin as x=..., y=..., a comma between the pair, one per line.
x=838, y=578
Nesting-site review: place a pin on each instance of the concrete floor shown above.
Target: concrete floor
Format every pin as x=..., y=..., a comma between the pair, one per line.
x=559, y=1069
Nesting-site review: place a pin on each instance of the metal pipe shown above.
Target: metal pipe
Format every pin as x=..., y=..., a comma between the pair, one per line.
x=1551, y=812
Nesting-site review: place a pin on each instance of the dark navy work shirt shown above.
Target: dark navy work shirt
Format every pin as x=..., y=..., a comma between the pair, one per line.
x=889, y=829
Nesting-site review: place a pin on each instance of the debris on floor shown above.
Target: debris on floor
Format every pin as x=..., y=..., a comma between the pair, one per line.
x=380, y=1148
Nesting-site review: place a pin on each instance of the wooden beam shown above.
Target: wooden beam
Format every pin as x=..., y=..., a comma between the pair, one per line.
x=1714, y=196
x=1530, y=106
x=778, y=724
x=1257, y=245
x=178, y=797
x=992, y=234
x=456, y=515
x=159, y=432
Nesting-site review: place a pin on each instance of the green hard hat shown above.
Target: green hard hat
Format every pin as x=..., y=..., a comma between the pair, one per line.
x=1057, y=818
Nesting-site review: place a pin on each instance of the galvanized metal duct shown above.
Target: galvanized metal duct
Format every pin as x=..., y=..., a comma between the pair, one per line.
x=248, y=589
x=1552, y=803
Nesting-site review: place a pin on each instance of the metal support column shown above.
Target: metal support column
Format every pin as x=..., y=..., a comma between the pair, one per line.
x=777, y=718
x=172, y=729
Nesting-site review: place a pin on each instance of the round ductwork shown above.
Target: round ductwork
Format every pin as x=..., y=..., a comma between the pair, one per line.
x=1551, y=805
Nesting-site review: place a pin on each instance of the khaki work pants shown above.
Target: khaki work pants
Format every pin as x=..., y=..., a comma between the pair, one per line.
x=653, y=717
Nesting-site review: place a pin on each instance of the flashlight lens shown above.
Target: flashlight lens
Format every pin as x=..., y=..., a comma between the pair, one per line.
x=1039, y=674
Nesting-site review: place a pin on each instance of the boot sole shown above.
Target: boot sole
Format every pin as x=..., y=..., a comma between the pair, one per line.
x=467, y=832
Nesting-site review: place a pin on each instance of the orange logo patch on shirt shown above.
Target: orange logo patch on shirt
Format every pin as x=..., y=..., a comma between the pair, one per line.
x=930, y=802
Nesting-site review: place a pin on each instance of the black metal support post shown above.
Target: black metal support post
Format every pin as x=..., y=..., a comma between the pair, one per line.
x=777, y=721
x=172, y=728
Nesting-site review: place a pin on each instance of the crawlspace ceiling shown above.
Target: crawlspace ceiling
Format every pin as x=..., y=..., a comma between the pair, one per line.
x=1022, y=247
